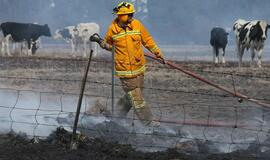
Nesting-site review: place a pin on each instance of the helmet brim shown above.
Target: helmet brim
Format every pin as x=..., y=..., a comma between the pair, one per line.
x=123, y=13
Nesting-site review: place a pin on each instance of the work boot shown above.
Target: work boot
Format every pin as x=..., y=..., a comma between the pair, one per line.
x=144, y=114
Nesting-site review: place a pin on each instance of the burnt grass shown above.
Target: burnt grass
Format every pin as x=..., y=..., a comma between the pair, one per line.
x=57, y=147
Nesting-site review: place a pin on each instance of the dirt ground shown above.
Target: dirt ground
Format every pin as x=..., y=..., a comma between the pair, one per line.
x=167, y=91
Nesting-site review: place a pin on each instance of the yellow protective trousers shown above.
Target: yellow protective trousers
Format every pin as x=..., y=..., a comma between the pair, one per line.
x=133, y=97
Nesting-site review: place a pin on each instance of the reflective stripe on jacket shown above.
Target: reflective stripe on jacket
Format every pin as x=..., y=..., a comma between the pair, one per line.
x=129, y=56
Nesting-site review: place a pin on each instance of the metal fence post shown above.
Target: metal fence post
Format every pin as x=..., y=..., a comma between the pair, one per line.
x=113, y=80
x=73, y=144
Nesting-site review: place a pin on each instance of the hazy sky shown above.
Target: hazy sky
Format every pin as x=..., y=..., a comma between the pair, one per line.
x=169, y=21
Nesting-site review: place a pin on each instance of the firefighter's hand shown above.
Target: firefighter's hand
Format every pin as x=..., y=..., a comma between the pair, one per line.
x=95, y=38
x=105, y=45
x=160, y=56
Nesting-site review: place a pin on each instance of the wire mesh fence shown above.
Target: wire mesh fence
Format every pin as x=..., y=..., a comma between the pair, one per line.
x=193, y=116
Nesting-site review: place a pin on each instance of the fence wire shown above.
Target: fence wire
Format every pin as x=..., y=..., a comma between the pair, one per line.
x=224, y=123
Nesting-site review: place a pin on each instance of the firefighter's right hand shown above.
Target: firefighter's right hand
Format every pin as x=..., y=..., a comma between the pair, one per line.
x=105, y=45
x=96, y=38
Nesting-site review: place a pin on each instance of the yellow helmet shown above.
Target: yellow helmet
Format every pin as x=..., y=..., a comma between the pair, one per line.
x=124, y=8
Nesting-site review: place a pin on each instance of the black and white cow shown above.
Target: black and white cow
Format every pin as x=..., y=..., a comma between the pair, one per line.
x=70, y=35
x=218, y=40
x=250, y=34
x=28, y=32
x=78, y=37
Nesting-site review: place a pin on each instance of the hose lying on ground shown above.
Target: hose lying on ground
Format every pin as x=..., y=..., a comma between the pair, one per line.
x=200, y=78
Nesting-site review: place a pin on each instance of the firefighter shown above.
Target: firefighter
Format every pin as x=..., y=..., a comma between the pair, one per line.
x=128, y=35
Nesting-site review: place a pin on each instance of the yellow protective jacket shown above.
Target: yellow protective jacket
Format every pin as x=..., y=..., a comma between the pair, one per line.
x=129, y=55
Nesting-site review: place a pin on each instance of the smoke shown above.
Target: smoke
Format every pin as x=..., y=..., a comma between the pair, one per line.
x=170, y=22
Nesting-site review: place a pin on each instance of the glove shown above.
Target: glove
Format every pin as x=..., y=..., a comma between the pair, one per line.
x=96, y=38
x=105, y=45
x=160, y=56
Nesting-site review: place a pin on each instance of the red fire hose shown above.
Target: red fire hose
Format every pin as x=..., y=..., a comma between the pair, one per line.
x=200, y=78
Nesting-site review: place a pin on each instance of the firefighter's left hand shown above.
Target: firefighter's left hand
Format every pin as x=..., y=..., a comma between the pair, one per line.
x=160, y=56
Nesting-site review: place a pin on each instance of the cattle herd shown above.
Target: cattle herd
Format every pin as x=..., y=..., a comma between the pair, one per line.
x=248, y=34
x=28, y=36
